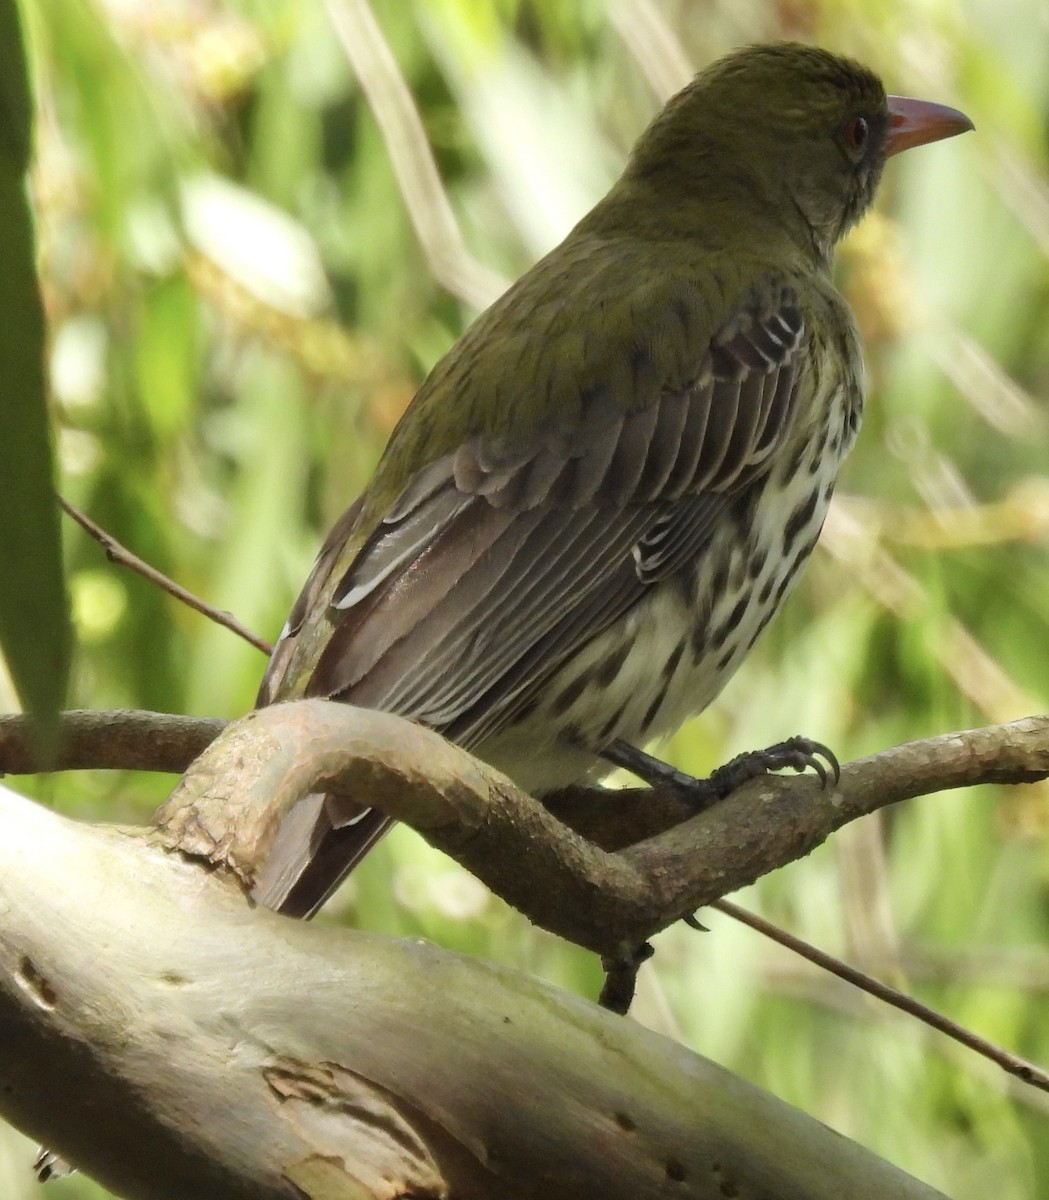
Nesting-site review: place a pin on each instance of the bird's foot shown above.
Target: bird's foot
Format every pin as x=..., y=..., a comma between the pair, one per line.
x=621, y=977
x=798, y=753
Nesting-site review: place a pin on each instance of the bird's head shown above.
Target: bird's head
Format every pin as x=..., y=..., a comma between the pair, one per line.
x=787, y=130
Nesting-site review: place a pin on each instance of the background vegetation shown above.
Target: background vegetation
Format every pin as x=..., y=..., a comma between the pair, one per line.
x=240, y=306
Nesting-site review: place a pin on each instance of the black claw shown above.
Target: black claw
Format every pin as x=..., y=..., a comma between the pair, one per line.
x=693, y=923
x=832, y=761
x=802, y=754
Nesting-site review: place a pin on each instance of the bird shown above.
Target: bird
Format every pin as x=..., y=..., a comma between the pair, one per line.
x=599, y=497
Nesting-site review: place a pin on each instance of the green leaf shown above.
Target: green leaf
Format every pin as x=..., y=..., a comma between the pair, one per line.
x=34, y=614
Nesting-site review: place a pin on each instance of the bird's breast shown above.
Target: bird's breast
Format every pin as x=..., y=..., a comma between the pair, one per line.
x=644, y=676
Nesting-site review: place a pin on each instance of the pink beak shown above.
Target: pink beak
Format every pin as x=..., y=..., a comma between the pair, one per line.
x=916, y=122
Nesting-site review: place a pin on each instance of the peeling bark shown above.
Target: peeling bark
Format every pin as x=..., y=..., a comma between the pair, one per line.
x=173, y=1040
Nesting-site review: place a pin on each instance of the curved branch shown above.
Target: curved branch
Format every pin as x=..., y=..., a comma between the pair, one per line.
x=600, y=887
x=567, y=879
x=595, y=866
x=586, y=876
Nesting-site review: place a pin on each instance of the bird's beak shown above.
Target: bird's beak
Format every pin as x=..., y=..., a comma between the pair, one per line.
x=915, y=122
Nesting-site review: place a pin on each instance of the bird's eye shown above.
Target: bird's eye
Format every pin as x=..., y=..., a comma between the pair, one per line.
x=857, y=130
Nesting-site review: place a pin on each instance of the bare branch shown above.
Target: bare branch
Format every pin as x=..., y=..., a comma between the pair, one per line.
x=120, y=739
x=605, y=869
x=158, y=1027
x=227, y=809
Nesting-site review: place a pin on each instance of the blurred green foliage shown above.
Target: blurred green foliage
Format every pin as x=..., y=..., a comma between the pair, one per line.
x=239, y=307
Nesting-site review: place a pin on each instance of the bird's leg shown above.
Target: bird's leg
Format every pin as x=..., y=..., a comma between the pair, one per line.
x=798, y=753
x=621, y=977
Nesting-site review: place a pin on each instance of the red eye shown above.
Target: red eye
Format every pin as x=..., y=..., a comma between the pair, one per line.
x=857, y=130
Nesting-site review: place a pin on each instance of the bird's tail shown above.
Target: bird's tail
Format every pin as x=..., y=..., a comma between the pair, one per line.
x=315, y=849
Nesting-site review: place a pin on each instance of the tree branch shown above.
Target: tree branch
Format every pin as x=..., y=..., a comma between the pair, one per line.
x=1012, y=1064
x=113, y=740
x=185, y=1036
x=583, y=883
x=590, y=865
x=595, y=866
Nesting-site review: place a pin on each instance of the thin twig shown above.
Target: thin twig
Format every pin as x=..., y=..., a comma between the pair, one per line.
x=1010, y=1063
x=119, y=554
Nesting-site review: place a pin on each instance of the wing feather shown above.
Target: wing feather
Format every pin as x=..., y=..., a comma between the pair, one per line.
x=497, y=564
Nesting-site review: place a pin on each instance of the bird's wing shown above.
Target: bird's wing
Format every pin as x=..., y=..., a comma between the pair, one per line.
x=493, y=568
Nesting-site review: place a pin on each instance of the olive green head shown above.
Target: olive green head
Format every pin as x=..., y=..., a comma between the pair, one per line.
x=789, y=130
